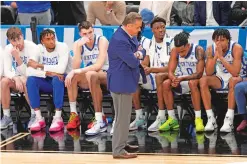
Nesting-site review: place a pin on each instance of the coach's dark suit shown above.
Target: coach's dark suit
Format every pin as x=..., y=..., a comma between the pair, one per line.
x=122, y=79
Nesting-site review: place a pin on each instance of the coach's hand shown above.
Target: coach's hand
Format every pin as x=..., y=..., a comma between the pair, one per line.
x=18, y=84
x=33, y=64
x=69, y=78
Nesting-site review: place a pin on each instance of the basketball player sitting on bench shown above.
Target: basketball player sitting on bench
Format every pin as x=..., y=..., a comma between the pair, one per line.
x=226, y=56
x=188, y=59
x=91, y=49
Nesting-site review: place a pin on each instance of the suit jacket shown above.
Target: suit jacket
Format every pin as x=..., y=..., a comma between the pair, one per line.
x=221, y=12
x=123, y=73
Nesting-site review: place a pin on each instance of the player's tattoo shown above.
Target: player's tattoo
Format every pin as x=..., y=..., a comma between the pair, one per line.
x=200, y=55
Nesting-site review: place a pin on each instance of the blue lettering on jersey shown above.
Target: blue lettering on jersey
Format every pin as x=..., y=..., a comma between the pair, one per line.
x=24, y=60
x=90, y=57
x=187, y=64
x=50, y=61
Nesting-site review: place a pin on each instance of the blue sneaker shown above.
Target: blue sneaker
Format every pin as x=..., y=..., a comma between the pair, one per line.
x=6, y=122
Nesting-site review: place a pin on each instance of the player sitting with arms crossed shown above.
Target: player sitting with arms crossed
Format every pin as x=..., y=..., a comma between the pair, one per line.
x=188, y=59
x=16, y=56
x=226, y=56
x=91, y=49
x=46, y=74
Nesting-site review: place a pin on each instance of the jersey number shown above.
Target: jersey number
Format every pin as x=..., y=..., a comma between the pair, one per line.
x=190, y=71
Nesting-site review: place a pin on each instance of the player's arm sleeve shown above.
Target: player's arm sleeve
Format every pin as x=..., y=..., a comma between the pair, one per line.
x=63, y=52
x=7, y=59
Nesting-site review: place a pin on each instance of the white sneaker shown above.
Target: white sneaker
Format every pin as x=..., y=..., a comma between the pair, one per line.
x=211, y=124
x=138, y=122
x=156, y=124
x=31, y=121
x=112, y=128
x=228, y=125
x=57, y=124
x=98, y=127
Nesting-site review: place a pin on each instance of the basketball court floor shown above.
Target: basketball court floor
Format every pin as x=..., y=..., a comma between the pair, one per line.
x=20, y=146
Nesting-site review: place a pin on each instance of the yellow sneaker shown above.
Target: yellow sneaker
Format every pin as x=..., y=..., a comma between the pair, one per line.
x=199, y=124
x=170, y=124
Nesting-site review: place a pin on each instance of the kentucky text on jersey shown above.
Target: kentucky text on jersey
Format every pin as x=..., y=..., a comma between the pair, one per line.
x=90, y=57
x=50, y=61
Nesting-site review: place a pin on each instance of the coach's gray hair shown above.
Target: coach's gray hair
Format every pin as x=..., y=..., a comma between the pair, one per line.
x=131, y=18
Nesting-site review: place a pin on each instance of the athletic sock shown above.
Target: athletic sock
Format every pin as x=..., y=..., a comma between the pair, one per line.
x=98, y=116
x=73, y=107
x=210, y=113
x=139, y=113
x=6, y=112
x=32, y=111
x=38, y=114
x=162, y=114
x=58, y=114
x=171, y=114
x=198, y=113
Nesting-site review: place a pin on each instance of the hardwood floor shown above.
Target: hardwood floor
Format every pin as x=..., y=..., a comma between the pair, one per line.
x=60, y=158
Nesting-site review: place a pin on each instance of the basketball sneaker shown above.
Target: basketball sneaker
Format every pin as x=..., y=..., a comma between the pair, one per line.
x=199, y=124
x=38, y=124
x=90, y=125
x=242, y=126
x=57, y=124
x=74, y=121
x=31, y=121
x=98, y=127
x=170, y=124
x=156, y=124
x=211, y=124
x=228, y=125
x=138, y=122
x=6, y=122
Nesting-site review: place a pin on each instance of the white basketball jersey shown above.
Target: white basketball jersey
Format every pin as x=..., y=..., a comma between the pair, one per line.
x=145, y=43
x=187, y=65
x=90, y=55
x=161, y=55
x=220, y=69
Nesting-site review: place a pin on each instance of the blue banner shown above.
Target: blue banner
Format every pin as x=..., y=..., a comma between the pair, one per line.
x=68, y=34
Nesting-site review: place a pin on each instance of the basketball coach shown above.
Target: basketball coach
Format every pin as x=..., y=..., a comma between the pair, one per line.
x=122, y=79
